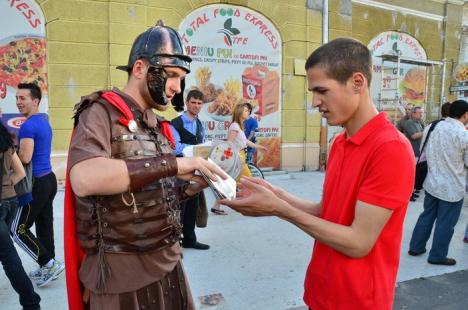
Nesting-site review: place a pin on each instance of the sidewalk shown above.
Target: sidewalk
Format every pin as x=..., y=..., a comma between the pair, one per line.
x=259, y=263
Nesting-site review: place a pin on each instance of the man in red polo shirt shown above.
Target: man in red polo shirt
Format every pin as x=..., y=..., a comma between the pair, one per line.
x=357, y=226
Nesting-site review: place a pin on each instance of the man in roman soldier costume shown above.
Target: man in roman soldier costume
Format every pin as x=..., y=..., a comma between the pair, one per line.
x=124, y=185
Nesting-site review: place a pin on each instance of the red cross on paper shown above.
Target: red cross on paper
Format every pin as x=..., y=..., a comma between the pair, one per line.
x=227, y=153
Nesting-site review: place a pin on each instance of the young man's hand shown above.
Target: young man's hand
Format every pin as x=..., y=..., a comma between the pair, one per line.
x=276, y=190
x=255, y=199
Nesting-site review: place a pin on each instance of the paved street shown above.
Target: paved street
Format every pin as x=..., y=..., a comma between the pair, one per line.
x=444, y=292
x=259, y=263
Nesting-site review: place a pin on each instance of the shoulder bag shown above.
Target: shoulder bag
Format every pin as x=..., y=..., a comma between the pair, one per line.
x=421, y=166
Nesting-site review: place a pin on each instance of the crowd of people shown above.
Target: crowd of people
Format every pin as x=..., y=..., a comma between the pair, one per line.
x=131, y=195
x=443, y=147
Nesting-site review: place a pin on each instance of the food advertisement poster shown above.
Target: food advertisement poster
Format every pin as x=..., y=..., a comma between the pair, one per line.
x=387, y=91
x=461, y=73
x=236, y=56
x=460, y=76
x=22, y=56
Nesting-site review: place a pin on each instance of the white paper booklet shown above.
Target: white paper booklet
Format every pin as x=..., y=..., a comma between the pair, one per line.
x=222, y=189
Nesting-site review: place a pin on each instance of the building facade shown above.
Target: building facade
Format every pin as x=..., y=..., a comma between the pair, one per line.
x=86, y=40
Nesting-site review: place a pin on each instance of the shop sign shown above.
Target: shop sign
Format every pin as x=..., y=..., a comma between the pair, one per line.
x=22, y=55
x=391, y=87
x=236, y=56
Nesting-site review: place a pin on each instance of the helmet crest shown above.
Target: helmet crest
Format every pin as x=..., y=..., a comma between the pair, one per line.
x=161, y=46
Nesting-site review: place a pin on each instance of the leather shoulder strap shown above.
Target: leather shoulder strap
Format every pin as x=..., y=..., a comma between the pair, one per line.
x=433, y=125
x=84, y=103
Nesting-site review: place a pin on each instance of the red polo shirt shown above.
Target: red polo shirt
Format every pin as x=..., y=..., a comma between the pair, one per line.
x=375, y=166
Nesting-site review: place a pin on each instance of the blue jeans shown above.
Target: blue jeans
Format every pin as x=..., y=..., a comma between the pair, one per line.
x=11, y=262
x=445, y=214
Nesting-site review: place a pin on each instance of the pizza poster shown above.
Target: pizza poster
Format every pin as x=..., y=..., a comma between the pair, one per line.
x=22, y=56
x=236, y=56
x=389, y=88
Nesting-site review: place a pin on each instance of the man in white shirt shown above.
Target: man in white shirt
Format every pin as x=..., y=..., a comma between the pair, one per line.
x=447, y=159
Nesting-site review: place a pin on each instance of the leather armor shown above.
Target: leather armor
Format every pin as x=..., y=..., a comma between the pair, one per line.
x=145, y=220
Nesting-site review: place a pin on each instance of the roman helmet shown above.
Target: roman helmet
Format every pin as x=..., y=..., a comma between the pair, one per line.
x=162, y=47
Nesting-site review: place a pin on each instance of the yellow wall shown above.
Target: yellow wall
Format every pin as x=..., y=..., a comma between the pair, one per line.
x=87, y=39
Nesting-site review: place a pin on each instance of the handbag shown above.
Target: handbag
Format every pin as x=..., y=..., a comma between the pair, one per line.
x=421, y=173
x=24, y=186
x=421, y=166
x=201, y=219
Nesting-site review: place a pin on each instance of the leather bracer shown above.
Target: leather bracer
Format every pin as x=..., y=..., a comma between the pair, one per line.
x=145, y=171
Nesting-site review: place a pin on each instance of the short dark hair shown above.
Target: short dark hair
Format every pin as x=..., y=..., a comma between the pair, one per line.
x=445, y=109
x=341, y=58
x=458, y=108
x=249, y=106
x=195, y=93
x=34, y=90
x=415, y=109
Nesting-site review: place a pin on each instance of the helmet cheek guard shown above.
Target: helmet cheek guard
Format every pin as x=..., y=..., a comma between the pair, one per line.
x=178, y=99
x=156, y=81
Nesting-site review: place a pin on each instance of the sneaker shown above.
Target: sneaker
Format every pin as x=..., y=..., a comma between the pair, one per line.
x=49, y=273
x=62, y=266
x=35, y=274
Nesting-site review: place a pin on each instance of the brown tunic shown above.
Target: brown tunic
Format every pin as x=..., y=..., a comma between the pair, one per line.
x=129, y=271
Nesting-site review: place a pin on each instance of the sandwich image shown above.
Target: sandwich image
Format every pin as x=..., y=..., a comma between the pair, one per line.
x=413, y=86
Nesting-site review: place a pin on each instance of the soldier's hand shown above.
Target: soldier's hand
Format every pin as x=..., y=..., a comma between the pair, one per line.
x=187, y=166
